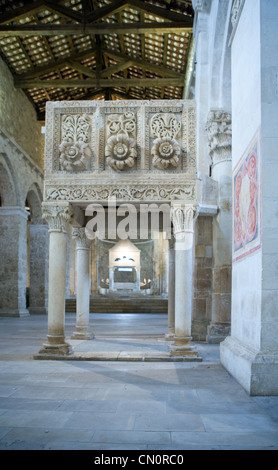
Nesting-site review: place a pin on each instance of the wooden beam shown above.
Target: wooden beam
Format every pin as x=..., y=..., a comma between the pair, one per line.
x=164, y=13
x=112, y=8
x=22, y=12
x=52, y=29
x=54, y=66
x=102, y=83
x=38, y=6
x=160, y=70
x=116, y=68
x=65, y=11
x=82, y=69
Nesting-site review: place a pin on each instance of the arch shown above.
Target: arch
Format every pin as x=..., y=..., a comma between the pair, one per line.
x=34, y=201
x=8, y=185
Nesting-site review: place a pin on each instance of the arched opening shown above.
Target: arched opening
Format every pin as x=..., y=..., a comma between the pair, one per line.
x=37, y=253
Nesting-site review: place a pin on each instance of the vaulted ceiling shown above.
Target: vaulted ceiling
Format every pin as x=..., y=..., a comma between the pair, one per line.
x=98, y=49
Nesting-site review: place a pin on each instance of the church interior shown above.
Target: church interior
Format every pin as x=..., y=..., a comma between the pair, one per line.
x=138, y=224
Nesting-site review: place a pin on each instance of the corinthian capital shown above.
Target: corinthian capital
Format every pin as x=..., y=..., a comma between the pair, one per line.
x=183, y=217
x=79, y=235
x=219, y=131
x=57, y=216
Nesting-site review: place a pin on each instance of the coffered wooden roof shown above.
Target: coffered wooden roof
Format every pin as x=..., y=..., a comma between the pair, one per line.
x=97, y=49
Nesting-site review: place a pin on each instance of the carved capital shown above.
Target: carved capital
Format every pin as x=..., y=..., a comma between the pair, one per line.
x=201, y=5
x=81, y=241
x=219, y=131
x=236, y=12
x=183, y=217
x=58, y=217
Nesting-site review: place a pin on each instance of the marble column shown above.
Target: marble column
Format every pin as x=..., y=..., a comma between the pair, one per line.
x=219, y=129
x=171, y=290
x=58, y=218
x=13, y=266
x=38, y=268
x=183, y=218
x=82, y=247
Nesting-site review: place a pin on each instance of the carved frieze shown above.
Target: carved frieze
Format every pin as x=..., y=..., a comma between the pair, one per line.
x=125, y=192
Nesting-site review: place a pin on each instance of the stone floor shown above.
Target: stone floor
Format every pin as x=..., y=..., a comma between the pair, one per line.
x=109, y=405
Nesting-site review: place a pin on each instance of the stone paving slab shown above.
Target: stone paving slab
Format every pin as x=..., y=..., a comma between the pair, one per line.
x=124, y=405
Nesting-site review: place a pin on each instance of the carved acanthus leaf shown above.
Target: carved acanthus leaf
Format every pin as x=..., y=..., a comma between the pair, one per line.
x=58, y=217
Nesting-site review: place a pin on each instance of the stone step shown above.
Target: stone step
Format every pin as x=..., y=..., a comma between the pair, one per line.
x=120, y=305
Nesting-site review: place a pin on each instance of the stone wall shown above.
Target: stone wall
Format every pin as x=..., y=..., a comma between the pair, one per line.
x=202, y=278
x=18, y=117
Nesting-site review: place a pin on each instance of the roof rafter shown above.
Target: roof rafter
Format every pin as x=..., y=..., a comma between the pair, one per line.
x=38, y=6
x=103, y=83
x=160, y=70
x=93, y=28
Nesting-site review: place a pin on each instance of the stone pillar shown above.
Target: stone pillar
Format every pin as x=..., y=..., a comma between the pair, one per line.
x=219, y=130
x=38, y=268
x=58, y=218
x=183, y=221
x=13, y=266
x=171, y=290
x=82, y=246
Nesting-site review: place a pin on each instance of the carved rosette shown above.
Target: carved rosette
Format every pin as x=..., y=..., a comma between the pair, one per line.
x=58, y=217
x=120, y=148
x=75, y=152
x=81, y=241
x=120, y=151
x=166, y=150
x=219, y=131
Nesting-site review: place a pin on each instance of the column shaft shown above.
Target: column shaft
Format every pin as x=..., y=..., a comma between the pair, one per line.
x=58, y=218
x=183, y=217
x=82, y=285
x=171, y=291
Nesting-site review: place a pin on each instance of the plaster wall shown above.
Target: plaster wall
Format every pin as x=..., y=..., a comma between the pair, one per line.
x=269, y=138
x=246, y=111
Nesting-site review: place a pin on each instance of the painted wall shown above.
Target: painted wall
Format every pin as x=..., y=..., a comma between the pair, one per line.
x=269, y=132
x=246, y=112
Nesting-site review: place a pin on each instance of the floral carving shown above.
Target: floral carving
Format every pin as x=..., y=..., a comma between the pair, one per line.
x=120, y=149
x=74, y=155
x=74, y=149
x=165, y=152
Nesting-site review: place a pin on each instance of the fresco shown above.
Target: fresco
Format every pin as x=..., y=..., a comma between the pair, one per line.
x=246, y=202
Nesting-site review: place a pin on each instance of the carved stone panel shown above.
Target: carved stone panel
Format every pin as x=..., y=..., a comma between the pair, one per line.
x=131, y=150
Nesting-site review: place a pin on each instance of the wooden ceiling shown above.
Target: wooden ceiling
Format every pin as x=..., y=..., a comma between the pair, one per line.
x=97, y=49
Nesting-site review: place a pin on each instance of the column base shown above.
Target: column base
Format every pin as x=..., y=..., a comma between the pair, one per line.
x=256, y=371
x=37, y=310
x=218, y=332
x=82, y=333
x=9, y=312
x=182, y=346
x=55, y=347
x=170, y=336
